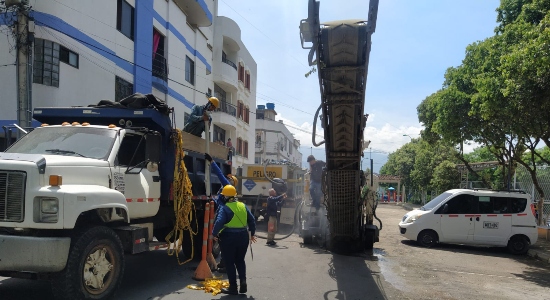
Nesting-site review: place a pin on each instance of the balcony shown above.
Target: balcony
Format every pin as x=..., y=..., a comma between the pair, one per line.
x=225, y=115
x=227, y=108
x=197, y=12
x=227, y=61
x=160, y=67
x=225, y=75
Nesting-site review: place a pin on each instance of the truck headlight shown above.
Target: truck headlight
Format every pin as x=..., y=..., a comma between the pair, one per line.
x=48, y=210
x=412, y=218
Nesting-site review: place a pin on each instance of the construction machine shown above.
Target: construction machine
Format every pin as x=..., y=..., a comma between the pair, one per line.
x=340, y=50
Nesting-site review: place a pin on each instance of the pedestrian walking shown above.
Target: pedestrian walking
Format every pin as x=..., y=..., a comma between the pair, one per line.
x=274, y=203
x=231, y=230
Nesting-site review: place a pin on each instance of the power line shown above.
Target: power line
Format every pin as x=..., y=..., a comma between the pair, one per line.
x=261, y=32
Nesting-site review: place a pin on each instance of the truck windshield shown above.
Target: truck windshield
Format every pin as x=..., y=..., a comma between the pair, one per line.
x=87, y=142
x=435, y=201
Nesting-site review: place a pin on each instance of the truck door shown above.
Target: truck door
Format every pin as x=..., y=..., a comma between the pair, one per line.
x=458, y=220
x=140, y=186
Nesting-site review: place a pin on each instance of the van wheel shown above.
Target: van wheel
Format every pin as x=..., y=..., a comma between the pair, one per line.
x=427, y=238
x=94, y=268
x=518, y=244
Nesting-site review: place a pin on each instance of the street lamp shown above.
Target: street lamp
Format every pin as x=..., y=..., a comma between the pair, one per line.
x=408, y=136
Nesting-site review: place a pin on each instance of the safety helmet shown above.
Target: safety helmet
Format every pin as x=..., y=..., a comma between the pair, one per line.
x=229, y=191
x=233, y=178
x=214, y=101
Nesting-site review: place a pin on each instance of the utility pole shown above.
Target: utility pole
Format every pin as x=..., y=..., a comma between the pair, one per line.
x=24, y=39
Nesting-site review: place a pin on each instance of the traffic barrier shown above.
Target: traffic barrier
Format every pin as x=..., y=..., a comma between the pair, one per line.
x=209, y=256
x=203, y=270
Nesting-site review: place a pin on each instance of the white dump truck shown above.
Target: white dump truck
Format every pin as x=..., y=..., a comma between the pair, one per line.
x=94, y=184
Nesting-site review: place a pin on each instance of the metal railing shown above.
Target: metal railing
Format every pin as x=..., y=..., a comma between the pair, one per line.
x=160, y=67
x=227, y=108
x=227, y=61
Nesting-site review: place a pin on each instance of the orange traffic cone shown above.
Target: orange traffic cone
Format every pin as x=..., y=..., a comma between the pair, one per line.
x=209, y=256
x=203, y=270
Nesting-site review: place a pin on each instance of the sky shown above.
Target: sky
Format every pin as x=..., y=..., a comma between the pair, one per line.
x=413, y=45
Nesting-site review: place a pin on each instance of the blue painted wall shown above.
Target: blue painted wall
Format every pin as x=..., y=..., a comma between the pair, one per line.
x=143, y=46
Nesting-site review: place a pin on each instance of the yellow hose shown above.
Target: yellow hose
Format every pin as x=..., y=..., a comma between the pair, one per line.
x=183, y=204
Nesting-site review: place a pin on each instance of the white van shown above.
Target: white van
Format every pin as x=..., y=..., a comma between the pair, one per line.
x=474, y=217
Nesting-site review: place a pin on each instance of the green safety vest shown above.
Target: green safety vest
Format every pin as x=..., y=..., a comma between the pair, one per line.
x=239, y=215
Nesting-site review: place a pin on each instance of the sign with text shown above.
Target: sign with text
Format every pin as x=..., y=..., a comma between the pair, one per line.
x=258, y=172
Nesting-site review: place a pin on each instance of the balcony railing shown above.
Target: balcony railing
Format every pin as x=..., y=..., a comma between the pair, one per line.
x=227, y=61
x=160, y=67
x=227, y=108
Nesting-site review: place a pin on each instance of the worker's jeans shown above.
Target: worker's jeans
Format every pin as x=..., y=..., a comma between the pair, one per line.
x=271, y=228
x=315, y=193
x=233, y=247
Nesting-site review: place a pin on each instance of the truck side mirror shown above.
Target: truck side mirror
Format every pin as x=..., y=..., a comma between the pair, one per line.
x=153, y=144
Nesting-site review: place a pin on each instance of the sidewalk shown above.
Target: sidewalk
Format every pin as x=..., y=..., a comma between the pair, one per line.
x=540, y=250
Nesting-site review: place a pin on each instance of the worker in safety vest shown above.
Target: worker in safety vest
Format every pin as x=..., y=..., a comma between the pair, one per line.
x=231, y=228
x=220, y=201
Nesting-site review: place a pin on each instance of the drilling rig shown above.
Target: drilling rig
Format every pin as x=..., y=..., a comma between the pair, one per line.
x=339, y=50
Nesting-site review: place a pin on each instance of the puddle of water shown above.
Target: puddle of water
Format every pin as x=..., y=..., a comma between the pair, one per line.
x=386, y=269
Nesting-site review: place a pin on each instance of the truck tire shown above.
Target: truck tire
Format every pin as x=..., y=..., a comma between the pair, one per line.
x=94, y=268
x=518, y=244
x=307, y=237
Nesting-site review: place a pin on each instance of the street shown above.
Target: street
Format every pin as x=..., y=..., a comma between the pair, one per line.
x=399, y=269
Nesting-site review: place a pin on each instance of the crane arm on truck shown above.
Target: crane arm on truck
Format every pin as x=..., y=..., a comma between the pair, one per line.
x=340, y=51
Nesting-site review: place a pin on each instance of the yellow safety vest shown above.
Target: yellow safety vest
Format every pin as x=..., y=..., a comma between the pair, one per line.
x=239, y=215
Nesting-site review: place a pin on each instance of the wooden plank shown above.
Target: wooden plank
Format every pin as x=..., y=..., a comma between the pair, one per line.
x=197, y=144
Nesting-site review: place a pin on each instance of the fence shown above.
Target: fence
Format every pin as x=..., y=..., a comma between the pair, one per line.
x=524, y=182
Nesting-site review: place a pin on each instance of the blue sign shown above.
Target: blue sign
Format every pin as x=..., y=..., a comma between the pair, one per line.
x=249, y=184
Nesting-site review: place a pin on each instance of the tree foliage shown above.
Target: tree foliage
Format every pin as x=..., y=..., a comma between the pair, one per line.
x=499, y=97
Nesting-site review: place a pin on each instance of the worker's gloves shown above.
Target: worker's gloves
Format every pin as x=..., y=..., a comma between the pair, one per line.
x=208, y=157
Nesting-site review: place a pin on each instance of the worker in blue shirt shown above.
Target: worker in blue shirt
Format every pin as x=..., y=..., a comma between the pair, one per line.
x=220, y=200
x=231, y=228
x=274, y=203
x=195, y=123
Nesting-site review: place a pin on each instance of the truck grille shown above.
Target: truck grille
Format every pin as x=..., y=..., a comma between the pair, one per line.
x=12, y=195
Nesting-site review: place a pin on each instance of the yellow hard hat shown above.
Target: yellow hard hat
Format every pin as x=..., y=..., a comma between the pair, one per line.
x=214, y=101
x=229, y=191
x=233, y=178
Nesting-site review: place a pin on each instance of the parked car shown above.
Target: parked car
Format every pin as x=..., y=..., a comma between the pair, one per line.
x=474, y=217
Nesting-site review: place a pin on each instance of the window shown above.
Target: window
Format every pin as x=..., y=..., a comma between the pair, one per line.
x=46, y=62
x=219, y=135
x=131, y=151
x=210, y=93
x=517, y=205
x=245, y=146
x=123, y=89
x=462, y=204
x=247, y=81
x=240, y=107
x=239, y=146
x=241, y=72
x=160, y=66
x=125, y=19
x=69, y=57
x=257, y=160
x=189, y=70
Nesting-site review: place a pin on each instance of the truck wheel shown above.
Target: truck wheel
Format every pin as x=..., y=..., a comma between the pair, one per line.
x=518, y=244
x=94, y=268
x=307, y=237
x=427, y=238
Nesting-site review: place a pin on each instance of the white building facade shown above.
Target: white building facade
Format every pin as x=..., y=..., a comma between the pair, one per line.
x=86, y=51
x=274, y=141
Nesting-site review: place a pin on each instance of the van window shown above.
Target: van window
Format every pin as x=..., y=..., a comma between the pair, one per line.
x=494, y=205
x=518, y=205
x=462, y=204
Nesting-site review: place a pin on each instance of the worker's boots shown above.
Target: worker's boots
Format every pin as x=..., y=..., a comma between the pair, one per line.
x=232, y=290
x=243, y=287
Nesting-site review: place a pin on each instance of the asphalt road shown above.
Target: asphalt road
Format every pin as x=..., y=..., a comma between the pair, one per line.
x=399, y=269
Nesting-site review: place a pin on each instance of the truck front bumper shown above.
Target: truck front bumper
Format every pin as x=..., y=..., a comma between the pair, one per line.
x=33, y=254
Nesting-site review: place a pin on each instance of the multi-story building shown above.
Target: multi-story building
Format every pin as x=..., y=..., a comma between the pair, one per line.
x=274, y=141
x=178, y=50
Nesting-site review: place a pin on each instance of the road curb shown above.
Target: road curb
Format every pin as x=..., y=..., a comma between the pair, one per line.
x=539, y=255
